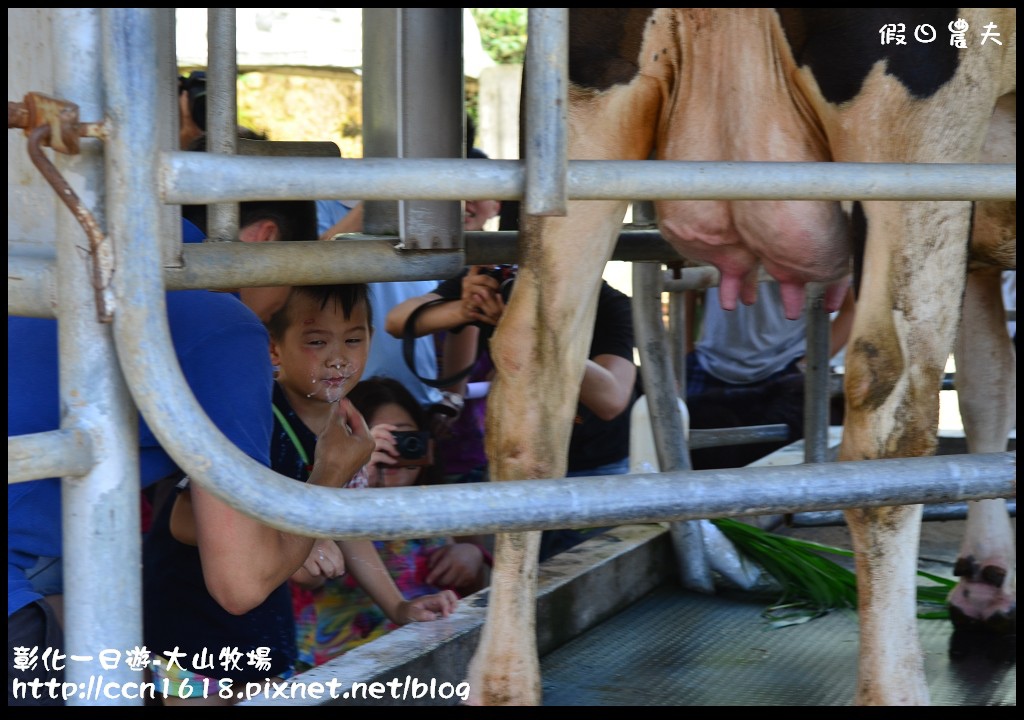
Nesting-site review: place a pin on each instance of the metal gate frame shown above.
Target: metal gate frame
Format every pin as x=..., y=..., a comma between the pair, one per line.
x=117, y=65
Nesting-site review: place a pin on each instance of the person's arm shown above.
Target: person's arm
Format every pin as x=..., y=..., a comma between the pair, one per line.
x=245, y=560
x=440, y=317
x=479, y=302
x=609, y=376
x=459, y=352
x=364, y=564
x=607, y=386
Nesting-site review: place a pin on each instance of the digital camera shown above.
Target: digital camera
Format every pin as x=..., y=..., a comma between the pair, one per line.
x=505, y=275
x=415, y=447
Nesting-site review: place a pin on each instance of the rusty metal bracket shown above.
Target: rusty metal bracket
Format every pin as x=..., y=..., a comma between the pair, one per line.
x=49, y=122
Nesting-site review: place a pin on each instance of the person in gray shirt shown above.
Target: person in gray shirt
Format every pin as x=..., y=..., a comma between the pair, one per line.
x=746, y=368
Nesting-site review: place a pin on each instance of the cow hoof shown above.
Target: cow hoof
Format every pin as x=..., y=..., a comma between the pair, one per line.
x=980, y=602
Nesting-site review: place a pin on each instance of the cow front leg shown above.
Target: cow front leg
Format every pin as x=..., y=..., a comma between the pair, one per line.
x=539, y=350
x=890, y=669
x=505, y=669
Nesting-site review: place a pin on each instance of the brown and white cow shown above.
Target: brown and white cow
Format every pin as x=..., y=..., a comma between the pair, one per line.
x=754, y=84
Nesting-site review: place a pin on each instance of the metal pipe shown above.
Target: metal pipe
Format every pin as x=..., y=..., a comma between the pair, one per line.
x=666, y=419
x=545, y=134
x=222, y=110
x=225, y=266
x=382, y=108
x=430, y=90
x=31, y=289
x=100, y=516
x=190, y=178
x=392, y=513
x=939, y=511
x=817, y=397
x=745, y=435
x=58, y=453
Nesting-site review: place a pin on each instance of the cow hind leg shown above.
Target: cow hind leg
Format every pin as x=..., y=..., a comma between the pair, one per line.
x=985, y=597
x=894, y=370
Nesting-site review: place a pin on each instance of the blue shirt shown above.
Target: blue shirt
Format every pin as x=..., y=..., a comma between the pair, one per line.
x=386, y=358
x=223, y=351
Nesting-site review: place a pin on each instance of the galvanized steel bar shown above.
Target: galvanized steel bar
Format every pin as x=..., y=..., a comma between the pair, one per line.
x=168, y=130
x=31, y=289
x=817, y=398
x=679, y=332
x=744, y=435
x=141, y=178
x=196, y=178
x=58, y=453
x=665, y=418
x=100, y=509
x=222, y=111
x=430, y=89
x=938, y=511
x=545, y=134
x=229, y=265
x=468, y=508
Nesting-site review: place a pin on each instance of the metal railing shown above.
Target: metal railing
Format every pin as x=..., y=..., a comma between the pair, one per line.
x=113, y=63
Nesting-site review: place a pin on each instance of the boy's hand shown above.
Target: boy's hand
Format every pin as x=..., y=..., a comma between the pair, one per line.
x=344, y=446
x=325, y=561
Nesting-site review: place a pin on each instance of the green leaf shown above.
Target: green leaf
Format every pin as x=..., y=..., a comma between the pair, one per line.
x=811, y=584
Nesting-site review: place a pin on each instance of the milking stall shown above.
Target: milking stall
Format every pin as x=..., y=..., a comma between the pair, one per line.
x=656, y=611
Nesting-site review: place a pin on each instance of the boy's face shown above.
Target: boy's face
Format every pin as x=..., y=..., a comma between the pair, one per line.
x=322, y=353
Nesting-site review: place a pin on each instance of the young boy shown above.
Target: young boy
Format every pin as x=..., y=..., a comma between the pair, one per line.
x=320, y=342
x=319, y=339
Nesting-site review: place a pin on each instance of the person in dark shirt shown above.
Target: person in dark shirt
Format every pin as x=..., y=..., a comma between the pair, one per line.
x=599, y=444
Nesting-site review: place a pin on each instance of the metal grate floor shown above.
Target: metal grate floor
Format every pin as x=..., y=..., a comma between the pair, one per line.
x=675, y=647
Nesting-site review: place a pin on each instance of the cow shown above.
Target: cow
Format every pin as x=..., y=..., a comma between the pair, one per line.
x=759, y=84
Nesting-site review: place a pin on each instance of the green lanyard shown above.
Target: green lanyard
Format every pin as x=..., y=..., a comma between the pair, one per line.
x=291, y=434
